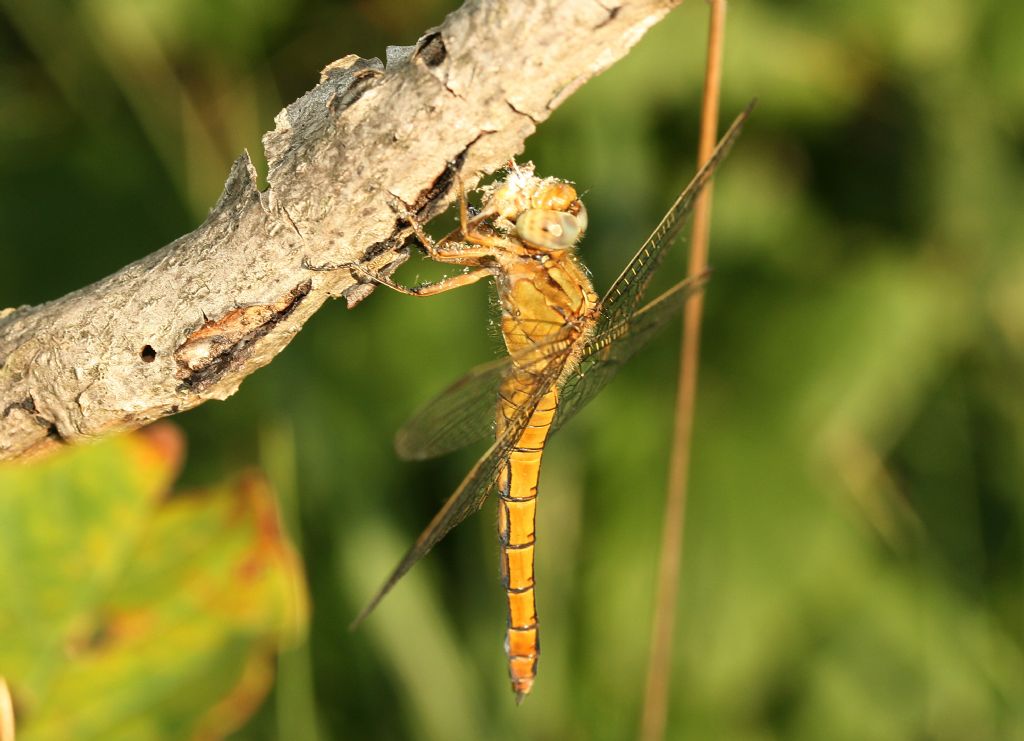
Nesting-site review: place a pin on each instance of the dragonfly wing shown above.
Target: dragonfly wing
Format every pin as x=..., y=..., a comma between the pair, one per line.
x=607, y=350
x=625, y=293
x=461, y=414
x=541, y=373
x=466, y=500
x=465, y=411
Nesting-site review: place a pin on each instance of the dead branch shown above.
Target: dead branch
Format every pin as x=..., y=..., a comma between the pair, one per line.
x=190, y=321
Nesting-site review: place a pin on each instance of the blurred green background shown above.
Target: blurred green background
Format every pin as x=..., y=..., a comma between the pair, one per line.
x=854, y=565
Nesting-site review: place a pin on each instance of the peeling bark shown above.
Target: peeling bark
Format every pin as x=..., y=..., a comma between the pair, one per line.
x=190, y=321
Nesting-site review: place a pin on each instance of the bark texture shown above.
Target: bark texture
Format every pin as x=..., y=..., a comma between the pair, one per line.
x=190, y=321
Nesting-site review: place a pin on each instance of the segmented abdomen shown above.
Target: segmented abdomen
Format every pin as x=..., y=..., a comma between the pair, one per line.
x=517, y=509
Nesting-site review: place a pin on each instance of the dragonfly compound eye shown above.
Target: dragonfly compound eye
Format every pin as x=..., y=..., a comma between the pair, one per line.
x=552, y=230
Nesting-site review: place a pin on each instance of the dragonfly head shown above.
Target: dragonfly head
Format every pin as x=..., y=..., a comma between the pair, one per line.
x=556, y=218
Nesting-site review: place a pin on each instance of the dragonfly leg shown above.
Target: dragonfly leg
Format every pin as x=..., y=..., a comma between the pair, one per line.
x=424, y=289
x=466, y=224
x=487, y=243
x=448, y=249
x=417, y=228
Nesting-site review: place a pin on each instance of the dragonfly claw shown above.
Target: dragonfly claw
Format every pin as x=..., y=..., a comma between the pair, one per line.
x=399, y=207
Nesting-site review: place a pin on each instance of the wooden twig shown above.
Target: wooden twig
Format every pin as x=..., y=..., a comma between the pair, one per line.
x=655, y=712
x=190, y=321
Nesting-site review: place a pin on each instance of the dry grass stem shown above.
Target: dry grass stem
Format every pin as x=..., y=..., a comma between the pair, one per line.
x=655, y=712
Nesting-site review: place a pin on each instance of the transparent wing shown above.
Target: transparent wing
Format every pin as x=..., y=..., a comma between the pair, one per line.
x=464, y=412
x=461, y=414
x=605, y=353
x=601, y=358
x=622, y=298
x=541, y=376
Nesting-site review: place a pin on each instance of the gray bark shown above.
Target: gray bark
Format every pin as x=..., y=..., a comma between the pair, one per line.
x=190, y=321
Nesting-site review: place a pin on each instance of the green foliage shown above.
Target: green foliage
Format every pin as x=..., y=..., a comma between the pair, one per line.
x=131, y=613
x=855, y=539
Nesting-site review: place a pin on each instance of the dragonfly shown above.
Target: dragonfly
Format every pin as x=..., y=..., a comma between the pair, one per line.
x=564, y=345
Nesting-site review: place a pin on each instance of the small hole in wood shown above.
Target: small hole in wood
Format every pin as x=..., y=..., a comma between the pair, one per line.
x=148, y=354
x=432, y=50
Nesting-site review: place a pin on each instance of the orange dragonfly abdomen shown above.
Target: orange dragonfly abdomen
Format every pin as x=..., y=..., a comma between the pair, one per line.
x=517, y=516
